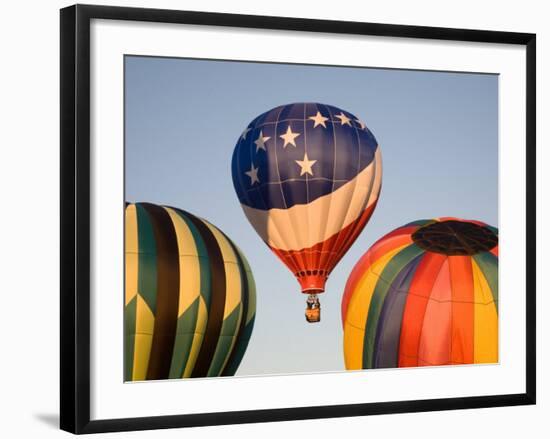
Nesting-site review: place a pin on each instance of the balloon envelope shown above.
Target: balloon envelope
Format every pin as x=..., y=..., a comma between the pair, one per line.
x=308, y=177
x=190, y=296
x=424, y=294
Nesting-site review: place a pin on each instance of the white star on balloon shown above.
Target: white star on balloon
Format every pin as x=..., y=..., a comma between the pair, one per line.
x=289, y=137
x=305, y=165
x=318, y=119
x=253, y=174
x=361, y=123
x=344, y=119
x=260, y=142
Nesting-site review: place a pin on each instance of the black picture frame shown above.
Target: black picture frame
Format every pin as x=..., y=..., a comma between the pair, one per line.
x=75, y=217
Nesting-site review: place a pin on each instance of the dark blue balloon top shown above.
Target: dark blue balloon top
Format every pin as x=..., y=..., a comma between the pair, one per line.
x=296, y=153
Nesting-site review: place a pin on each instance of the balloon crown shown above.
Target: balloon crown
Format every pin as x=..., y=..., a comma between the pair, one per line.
x=455, y=238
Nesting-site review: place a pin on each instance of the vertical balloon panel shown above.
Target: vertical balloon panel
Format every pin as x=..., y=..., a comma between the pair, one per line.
x=189, y=300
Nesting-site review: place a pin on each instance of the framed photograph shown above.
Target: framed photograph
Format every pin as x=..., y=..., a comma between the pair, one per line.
x=272, y=218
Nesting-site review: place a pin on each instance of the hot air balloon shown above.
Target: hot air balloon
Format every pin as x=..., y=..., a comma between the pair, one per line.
x=190, y=296
x=308, y=177
x=425, y=294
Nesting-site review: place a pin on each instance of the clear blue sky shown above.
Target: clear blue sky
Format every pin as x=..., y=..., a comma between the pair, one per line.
x=438, y=134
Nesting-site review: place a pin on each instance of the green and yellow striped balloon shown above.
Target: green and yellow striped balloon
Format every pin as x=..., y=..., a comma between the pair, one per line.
x=190, y=297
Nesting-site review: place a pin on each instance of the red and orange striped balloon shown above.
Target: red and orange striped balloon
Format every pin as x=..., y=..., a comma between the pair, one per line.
x=425, y=294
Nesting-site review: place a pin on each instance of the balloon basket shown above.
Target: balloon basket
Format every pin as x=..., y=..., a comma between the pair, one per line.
x=313, y=315
x=313, y=309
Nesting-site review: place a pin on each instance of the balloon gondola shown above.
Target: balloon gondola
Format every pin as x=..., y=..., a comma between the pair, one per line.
x=308, y=177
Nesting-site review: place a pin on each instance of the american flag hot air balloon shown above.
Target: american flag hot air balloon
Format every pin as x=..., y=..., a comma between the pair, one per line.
x=308, y=177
